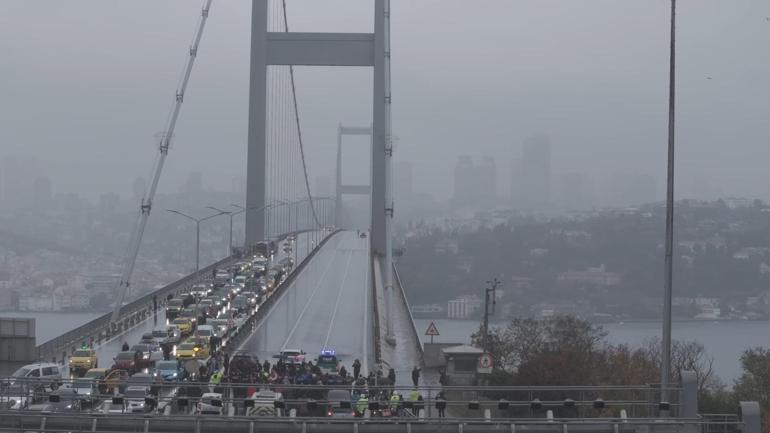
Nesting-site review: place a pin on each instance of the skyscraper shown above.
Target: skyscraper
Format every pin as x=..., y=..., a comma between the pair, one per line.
x=464, y=182
x=475, y=185
x=532, y=178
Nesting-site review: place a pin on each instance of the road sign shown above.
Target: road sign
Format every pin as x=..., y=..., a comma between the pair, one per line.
x=432, y=331
x=485, y=363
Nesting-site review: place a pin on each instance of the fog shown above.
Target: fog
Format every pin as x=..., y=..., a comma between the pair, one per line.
x=85, y=85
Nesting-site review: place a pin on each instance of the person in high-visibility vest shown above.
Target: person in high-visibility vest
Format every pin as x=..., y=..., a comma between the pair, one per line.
x=216, y=378
x=362, y=405
x=395, y=400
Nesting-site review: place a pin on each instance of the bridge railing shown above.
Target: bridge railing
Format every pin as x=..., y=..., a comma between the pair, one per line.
x=413, y=326
x=465, y=402
x=44, y=423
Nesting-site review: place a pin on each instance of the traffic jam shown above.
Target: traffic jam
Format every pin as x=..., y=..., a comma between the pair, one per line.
x=182, y=368
x=185, y=350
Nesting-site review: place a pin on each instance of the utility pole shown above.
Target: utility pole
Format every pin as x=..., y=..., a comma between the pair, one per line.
x=665, y=370
x=493, y=290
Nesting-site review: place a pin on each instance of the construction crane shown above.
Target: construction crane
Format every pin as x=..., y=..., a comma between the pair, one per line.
x=165, y=142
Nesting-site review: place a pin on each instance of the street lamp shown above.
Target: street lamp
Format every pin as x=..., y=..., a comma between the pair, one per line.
x=197, y=234
x=231, y=214
x=487, y=291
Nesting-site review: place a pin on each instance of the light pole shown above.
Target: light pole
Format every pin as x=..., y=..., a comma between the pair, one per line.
x=487, y=291
x=665, y=370
x=197, y=234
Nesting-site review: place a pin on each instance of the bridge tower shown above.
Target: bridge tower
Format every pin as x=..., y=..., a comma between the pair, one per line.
x=341, y=189
x=318, y=49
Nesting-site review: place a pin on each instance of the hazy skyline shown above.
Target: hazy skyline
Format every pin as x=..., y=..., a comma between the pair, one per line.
x=87, y=85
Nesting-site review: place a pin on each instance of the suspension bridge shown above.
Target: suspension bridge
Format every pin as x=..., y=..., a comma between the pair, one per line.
x=342, y=292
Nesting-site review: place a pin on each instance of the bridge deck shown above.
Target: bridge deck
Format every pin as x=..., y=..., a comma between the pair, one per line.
x=327, y=306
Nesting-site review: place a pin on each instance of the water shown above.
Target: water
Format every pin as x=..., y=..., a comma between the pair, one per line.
x=724, y=341
x=51, y=325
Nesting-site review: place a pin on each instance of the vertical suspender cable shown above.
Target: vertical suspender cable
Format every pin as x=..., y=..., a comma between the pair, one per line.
x=165, y=142
x=299, y=130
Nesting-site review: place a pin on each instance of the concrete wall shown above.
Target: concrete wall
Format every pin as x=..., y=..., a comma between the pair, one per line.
x=432, y=355
x=17, y=344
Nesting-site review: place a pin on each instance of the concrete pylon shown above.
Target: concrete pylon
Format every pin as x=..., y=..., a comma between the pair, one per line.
x=314, y=49
x=341, y=189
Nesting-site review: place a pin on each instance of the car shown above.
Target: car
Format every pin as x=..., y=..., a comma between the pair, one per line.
x=145, y=380
x=86, y=386
x=184, y=325
x=44, y=373
x=209, y=404
x=241, y=303
x=362, y=235
x=221, y=326
x=263, y=403
x=160, y=334
x=170, y=371
x=82, y=360
x=204, y=333
x=61, y=400
x=327, y=361
x=218, y=300
x=115, y=379
x=127, y=360
x=340, y=404
x=201, y=290
x=173, y=308
x=240, y=280
x=134, y=399
x=149, y=353
x=192, y=349
x=192, y=314
x=291, y=356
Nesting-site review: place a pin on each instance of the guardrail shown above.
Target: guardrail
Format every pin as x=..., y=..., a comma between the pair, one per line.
x=409, y=310
x=43, y=423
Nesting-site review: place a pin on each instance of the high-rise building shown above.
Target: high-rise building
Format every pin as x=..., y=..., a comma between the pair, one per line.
x=532, y=177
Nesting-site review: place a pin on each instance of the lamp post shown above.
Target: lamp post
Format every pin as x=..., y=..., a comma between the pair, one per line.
x=197, y=234
x=487, y=291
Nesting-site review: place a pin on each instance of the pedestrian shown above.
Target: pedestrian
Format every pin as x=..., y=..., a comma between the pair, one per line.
x=343, y=372
x=415, y=375
x=392, y=376
x=155, y=303
x=266, y=366
x=226, y=363
x=356, y=369
x=441, y=404
x=125, y=346
x=442, y=379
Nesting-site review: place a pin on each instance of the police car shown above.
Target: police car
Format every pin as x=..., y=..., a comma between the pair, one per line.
x=327, y=361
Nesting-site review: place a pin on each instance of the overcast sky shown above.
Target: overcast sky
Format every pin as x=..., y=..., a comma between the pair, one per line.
x=85, y=84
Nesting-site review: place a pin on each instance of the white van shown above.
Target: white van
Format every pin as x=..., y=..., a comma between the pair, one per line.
x=41, y=372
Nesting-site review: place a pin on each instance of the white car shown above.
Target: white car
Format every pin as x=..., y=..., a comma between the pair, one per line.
x=210, y=404
x=264, y=403
x=134, y=399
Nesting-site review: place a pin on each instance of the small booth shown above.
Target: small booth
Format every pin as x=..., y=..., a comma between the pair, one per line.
x=462, y=364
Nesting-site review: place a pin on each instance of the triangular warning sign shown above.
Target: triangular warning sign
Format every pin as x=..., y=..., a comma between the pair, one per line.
x=432, y=330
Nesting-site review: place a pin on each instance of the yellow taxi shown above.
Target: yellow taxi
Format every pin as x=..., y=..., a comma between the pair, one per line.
x=184, y=325
x=192, y=349
x=83, y=360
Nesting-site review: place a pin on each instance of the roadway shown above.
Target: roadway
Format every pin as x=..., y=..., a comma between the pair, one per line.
x=328, y=305
x=107, y=350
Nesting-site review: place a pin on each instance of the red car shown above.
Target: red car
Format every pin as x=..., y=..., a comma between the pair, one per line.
x=126, y=361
